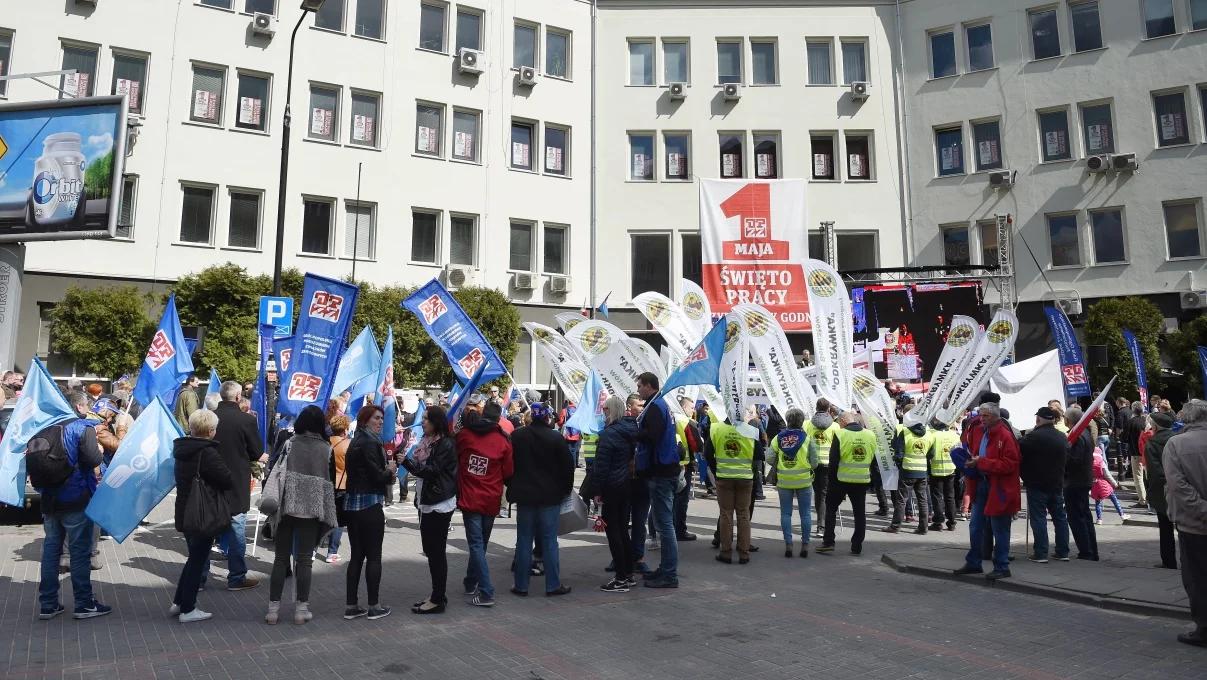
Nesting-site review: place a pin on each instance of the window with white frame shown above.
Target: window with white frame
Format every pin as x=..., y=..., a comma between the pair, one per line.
x=360, y=230
x=1183, y=234
x=942, y=54
x=731, y=152
x=324, y=113
x=1106, y=230
x=82, y=83
x=208, y=85
x=432, y=17
x=677, y=146
x=641, y=61
x=331, y=15
x=729, y=61
x=1063, y=239
x=425, y=236
x=821, y=62
x=956, y=247
x=466, y=125
x=469, y=28
x=949, y=149
x=555, y=246
x=429, y=127
x=365, y=111
x=854, y=62
x=523, y=140
x=260, y=6
x=252, y=113
x=859, y=156
x=127, y=208
x=197, y=214
x=763, y=66
x=6, y=57
x=766, y=155
x=370, y=19
x=129, y=78
x=317, y=221
x=822, y=148
x=1045, y=36
x=519, y=256
x=641, y=156
x=221, y=4
x=557, y=52
x=463, y=240
x=979, y=41
x=1086, y=25
x=557, y=150
x=1159, y=18
x=1054, y=135
x=676, y=61
x=524, y=45
x=243, y=228
x=650, y=263
x=1198, y=15
x=1173, y=126
x=1098, y=128
x=987, y=138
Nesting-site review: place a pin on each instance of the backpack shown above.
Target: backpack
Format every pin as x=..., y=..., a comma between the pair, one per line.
x=47, y=460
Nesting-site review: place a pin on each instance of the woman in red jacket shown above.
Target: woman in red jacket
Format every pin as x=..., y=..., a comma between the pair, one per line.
x=484, y=460
x=992, y=471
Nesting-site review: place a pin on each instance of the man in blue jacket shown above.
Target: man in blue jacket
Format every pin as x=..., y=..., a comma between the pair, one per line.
x=657, y=461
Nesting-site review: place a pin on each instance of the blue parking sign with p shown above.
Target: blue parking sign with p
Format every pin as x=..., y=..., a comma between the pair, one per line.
x=278, y=313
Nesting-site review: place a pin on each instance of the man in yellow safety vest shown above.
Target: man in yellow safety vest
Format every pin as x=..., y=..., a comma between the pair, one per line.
x=851, y=456
x=912, y=451
x=943, y=476
x=734, y=451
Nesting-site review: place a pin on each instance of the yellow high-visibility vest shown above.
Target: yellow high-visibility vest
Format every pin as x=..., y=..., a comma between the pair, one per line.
x=823, y=438
x=856, y=450
x=916, y=450
x=734, y=452
x=590, y=441
x=795, y=473
x=945, y=441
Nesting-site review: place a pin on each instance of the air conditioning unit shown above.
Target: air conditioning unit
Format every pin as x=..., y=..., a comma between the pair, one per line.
x=731, y=92
x=1194, y=299
x=1124, y=162
x=1070, y=306
x=860, y=90
x=523, y=281
x=1099, y=163
x=677, y=91
x=470, y=61
x=458, y=276
x=1002, y=179
x=263, y=23
x=526, y=76
x=559, y=284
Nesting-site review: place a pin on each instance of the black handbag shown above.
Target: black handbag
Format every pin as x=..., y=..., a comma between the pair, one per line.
x=341, y=517
x=207, y=512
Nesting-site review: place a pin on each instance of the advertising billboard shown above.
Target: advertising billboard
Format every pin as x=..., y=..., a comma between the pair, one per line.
x=61, y=168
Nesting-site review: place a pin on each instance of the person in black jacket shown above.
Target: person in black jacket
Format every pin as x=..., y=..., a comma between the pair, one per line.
x=239, y=443
x=1043, y=453
x=368, y=474
x=195, y=456
x=1155, y=479
x=1079, y=477
x=610, y=479
x=543, y=476
x=437, y=501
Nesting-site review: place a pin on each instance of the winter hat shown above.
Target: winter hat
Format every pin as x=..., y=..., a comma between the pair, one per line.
x=1162, y=421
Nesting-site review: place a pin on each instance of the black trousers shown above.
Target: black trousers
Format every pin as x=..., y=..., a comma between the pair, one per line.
x=616, y=509
x=1169, y=548
x=299, y=536
x=1194, y=575
x=839, y=491
x=943, y=499
x=917, y=489
x=878, y=488
x=821, y=482
x=680, y=509
x=190, y=574
x=1081, y=521
x=433, y=533
x=366, y=530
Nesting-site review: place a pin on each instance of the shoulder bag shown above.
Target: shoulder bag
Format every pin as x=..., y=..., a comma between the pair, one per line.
x=207, y=512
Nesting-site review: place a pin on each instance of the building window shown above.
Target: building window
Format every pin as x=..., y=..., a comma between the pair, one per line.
x=651, y=263
x=956, y=251
x=823, y=157
x=1198, y=14
x=221, y=4
x=729, y=61
x=6, y=55
x=126, y=210
x=208, y=86
x=324, y=111
x=1098, y=128
x=678, y=155
x=129, y=78
x=641, y=62
x=330, y=16
x=520, y=251
x=557, y=53
x=425, y=236
x=431, y=26
x=469, y=29
x=1158, y=18
x=731, y=155
x=857, y=251
x=859, y=159
x=762, y=62
x=987, y=231
x=1062, y=236
x=980, y=46
x=766, y=156
x=676, y=62
x=360, y=231
x=692, y=259
x=1086, y=25
x=641, y=157
x=370, y=18
x=557, y=150
x=949, y=145
x=1054, y=135
x=197, y=214
x=82, y=83
x=820, y=70
x=555, y=248
x=261, y=6
x=316, y=226
x=243, y=231
x=1045, y=37
x=429, y=127
x=465, y=135
x=463, y=240
x=253, y=102
x=854, y=62
x=1182, y=229
x=988, y=140
x=524, y=46
x=942, y=54
x=364, y=118
x=1172, y=124
x=522, y=138
x=1203, y=102
x=1106, y=227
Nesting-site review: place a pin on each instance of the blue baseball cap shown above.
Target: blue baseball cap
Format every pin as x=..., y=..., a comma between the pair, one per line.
x=104, y=404
x=540, y=410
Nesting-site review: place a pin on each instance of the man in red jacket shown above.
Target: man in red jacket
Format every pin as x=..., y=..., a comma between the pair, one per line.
x=484, y=460
x=992, y=470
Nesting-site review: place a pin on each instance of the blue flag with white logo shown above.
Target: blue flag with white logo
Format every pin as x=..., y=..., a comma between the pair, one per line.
x=475, y=381
x=282, y=350
x=588, y=418
x=326, y=315
x=702, y=366
x=451, y=328
x=1133, y=346
x=141, y=474
x=40, y=405
x=1203, y=367
x=360, y=360
x=417, y=427
x=1072, y=362
x=214, y=386
x=168, y=362
x=384, y=396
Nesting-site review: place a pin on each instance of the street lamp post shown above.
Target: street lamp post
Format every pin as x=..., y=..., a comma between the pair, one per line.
x=308, y=6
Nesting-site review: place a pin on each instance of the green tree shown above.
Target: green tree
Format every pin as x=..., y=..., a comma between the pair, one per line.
x=1104, y=324
x=103, y=330
x=1183, y=353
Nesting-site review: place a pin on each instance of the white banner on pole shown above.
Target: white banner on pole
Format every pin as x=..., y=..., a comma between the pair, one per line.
x=616, y=361
x=669, y=319
x=833, y=333
x=881, y=415
x=695, y=305
x=774, y=360
x=569, y=370
x=992, y=348
x=961, y=341
x=733, y=371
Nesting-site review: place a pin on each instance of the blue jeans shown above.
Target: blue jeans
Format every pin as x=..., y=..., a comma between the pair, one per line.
x=540, y=522
x=979, y=524
x=333, y=543
x=1039, y=504
x=234, y=539
x=804, y=504
x=77, y=529
x=574, y=447
x=640, y=511
x=477, y=535
x=662, y=506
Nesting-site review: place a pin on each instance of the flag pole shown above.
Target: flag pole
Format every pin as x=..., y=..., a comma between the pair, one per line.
x=523, y=399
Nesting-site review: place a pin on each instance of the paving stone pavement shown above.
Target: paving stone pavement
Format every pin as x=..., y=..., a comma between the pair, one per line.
x=834, y=616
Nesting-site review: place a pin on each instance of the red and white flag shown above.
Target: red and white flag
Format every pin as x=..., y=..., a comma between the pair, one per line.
x=1092, y=411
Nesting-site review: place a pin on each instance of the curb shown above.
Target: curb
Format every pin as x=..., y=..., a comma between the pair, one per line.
x=1103, y=602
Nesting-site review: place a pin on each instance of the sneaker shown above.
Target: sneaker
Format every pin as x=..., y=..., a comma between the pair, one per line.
x=481, y=600
x=195, y=615
x=649, y=575
x=378, y=612
x=355, y=612
x=247, y=583
x=825, y=549
x=1062, y=559
x=615, y=586
x=630, y=582
x=470, y=592
x=91, y=611
x=1039, y=560
x=1098, y=521
x=174, y=610
x=48, y=614
x=537, y=569
x=662, y=583
x=1125, y=517
x=334, y=559
x=963, y=517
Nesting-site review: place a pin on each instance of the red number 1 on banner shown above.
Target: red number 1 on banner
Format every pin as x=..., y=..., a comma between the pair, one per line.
x=752, y=205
